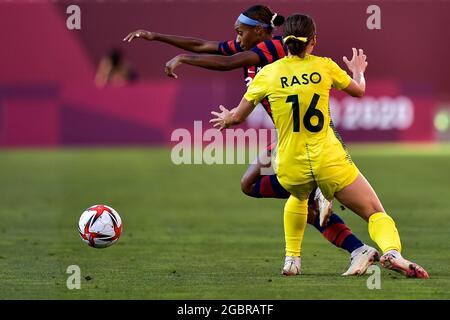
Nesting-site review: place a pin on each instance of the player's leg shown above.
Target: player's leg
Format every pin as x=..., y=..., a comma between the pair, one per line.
x=295, y=217
x=335, y=231
x=258, y=185
x=360, y=197
x=255, y=185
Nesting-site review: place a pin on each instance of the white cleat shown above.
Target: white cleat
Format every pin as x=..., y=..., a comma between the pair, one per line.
x=292, y=266
x=325, y=207
x=362, y=258
x=393, y=260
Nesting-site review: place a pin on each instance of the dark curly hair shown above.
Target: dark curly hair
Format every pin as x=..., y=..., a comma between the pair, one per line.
x=264, y=15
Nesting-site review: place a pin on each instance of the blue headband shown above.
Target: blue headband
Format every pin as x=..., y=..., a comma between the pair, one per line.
x=251, y=22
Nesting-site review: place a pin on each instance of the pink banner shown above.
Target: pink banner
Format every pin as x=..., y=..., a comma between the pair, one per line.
x=147, y=114
x=47, y=95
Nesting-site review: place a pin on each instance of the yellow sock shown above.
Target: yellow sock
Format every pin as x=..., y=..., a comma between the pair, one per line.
x=295, y=215
x=382, y=230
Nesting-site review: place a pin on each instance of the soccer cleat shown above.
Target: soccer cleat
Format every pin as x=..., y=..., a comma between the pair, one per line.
x=394, y=261
x=362, y=258
x=325, y=207
x=292, y=266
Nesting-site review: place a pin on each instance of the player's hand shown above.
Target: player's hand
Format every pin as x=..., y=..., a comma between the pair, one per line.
x=171, y=65
x=358, y=62
x=139, y=34
x=222, y=119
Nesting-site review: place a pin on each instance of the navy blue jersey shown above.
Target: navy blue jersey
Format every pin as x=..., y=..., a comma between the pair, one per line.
x=268, y=51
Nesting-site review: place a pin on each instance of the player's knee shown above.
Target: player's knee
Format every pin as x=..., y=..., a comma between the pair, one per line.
x=246, y=186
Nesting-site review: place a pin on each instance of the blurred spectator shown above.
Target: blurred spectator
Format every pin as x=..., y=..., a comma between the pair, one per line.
x=113, y=70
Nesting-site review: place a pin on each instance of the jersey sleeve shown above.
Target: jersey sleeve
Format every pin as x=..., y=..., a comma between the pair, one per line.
x=341, y=79
x=269, y=51
x=258, y=88
x=228, y=48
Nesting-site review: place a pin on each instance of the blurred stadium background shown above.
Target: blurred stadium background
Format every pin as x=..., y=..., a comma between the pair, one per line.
x=49, y=101
x=48, y=97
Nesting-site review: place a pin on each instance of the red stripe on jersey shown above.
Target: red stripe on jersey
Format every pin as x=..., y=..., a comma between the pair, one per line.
x=232, y=46
x=265, y=51
x=265, y=188
x=266, y=105
x=280, y=49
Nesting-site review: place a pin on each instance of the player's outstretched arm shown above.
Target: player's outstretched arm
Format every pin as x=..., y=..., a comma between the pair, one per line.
x=185, y=43
x=227, y=118
x=357, y=66
x=213, y=62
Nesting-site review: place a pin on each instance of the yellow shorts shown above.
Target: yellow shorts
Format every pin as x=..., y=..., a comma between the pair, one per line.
x=330, y=168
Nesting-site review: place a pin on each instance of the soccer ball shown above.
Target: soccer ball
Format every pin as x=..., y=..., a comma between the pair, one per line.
x=100, y=226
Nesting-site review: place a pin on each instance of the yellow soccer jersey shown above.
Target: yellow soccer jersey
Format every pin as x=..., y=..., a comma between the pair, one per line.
x=298, y=92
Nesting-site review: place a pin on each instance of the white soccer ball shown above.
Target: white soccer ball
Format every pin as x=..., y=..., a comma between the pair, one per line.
x=100, y=226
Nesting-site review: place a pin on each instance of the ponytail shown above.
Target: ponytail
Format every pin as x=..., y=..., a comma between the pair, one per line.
x=298, y=32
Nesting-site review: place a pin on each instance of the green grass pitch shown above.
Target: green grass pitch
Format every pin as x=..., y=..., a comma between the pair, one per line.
x=189, y=233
